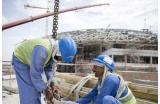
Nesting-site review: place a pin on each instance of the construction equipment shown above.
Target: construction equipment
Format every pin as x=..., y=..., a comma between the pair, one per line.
x=46, y=28
x=29, y=6
x=55, y=20
x=32, y=18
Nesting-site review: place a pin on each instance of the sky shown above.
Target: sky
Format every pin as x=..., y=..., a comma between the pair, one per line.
x=121, y=14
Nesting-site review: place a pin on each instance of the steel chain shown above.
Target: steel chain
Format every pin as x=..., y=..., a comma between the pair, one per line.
x=55, y=19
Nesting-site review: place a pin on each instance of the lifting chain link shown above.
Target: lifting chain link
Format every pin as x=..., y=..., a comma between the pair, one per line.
x=55, y=19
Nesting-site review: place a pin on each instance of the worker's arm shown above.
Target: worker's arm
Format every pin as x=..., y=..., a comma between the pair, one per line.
x=49, y=74
x=90, y=96
x=48, y=69
x=110, y=88
x=38, y=57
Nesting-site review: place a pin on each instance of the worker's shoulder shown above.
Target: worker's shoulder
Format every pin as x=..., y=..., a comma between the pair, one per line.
x=112, y=77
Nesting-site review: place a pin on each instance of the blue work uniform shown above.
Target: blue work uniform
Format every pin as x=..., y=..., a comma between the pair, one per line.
x=29, y=78
x=107, y=92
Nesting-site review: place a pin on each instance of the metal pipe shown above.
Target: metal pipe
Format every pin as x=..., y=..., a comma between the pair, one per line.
x=32, y=18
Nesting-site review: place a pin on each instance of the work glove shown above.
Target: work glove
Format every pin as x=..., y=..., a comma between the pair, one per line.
x=54, y=91
x=53, y=87
x=49, y=94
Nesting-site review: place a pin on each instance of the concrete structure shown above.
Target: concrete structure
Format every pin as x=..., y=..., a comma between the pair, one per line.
x=128, y=48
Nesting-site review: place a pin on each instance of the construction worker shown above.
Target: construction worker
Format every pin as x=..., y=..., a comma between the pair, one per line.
x=110, y=88
x=36, y=56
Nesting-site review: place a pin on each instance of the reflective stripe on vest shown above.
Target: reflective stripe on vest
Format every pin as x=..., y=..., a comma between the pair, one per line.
x=121, y=88
x=128, y=99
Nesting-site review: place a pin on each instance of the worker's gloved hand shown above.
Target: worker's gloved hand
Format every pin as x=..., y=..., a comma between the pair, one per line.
x=53, y=87
x=49, y=94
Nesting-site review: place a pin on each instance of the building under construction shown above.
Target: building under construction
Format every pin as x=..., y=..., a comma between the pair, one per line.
x=130, y=49
x=135, y=54
x=136, y=51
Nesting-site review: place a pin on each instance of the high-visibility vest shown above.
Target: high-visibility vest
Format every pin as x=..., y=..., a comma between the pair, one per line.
x=24, y=50
x=129, y=97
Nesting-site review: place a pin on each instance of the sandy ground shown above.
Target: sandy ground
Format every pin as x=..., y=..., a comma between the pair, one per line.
x=11, y=98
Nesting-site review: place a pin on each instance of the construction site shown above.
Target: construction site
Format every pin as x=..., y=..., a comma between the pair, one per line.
x=135, y=54
x=131, y=50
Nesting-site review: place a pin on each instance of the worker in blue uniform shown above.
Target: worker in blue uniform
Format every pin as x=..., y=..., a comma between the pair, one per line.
x=110, y=88
x=33, y=57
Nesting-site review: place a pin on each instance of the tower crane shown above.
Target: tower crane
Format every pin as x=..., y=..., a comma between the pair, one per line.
x=46, y=27
x=30, y=6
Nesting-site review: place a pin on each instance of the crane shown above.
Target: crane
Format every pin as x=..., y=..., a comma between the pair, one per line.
x=46, y=27
x=30, y=6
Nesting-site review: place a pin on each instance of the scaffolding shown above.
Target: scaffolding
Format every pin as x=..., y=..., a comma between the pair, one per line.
x=124, y=46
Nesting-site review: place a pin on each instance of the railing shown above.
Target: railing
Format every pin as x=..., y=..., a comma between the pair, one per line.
x=7, y=69
x=137, y=65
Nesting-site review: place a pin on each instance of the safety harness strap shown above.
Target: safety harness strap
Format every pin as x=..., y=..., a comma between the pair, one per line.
x=80, y=86
x=121, y=88
x=77, y=88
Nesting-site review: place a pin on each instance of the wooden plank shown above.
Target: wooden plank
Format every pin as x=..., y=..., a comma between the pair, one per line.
x=144, y=101
x=85, y=89
x=91, y=83
x=149, y=92
x=143, y=85
x=73, y=79
x=65, y=89
x=144, y=89
x=145, y=96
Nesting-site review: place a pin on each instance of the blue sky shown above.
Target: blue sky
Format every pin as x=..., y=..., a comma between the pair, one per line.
x=121, y=14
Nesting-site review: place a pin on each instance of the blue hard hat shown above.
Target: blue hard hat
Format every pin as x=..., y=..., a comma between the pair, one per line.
x=106, y=60
x=67, y=48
